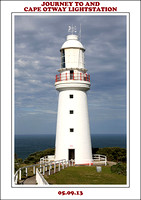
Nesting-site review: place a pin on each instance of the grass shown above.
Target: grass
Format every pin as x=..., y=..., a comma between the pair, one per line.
x=85, y=175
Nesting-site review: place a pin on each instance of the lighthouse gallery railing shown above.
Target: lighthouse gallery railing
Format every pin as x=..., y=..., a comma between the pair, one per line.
x=72, y=76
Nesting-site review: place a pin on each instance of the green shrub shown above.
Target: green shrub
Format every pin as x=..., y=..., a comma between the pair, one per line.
x=113, y=153
x=35, y=157
x=119, y=168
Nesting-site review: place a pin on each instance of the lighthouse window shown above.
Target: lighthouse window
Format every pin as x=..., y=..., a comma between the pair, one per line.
x=71, y=96
x=71, y=111
x=71, y=129
x=62, y=58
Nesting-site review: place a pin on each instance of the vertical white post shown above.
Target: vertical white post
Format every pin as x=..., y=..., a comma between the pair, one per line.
x=49, y=170
x=20, y=175
x=40, y=168
x=26, y=171
x=43, y=170
x=34, y=170
x=72, y=162
x=69, y=163
x=54, y=167
x=105, y=160
x=59, y=165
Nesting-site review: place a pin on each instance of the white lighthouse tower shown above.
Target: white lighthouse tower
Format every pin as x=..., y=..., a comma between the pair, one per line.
x=73, y=139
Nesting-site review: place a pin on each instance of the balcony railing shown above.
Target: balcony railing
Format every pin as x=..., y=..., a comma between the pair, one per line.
x=72, y=76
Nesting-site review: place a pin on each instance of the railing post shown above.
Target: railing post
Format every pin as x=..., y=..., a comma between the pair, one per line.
x=49, y=170
x=26, y=172
x=54, y=167
x=20, y=175
x=43, y=170
x=40, y=168
x=105, y=160
x=34, y=172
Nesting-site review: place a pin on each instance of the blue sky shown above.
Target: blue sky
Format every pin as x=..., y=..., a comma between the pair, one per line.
x=38, y=40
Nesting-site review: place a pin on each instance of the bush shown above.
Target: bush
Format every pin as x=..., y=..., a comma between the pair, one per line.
x=35, y=157
x=119, y=169
x=113, y=153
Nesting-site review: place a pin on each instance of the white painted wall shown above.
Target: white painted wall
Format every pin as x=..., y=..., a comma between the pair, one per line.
x=79, y=139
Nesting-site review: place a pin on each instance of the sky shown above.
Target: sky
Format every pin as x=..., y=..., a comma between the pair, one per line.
x=37, y=41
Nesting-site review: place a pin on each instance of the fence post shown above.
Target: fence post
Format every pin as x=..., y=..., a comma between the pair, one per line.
x=26, y=172
x=20, y=175
x=105, y=160
x=16, y=178
x=54, y=167
x=40, y=168
x=49, y=170
x=43, y=170
x=34, y=172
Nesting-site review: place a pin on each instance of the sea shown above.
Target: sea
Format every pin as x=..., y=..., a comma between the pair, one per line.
x=27, y=144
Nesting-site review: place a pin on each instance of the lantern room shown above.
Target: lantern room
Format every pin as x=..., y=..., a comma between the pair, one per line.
x=72, y=53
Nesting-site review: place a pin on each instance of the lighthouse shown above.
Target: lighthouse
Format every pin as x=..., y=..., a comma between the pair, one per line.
x=73, y=139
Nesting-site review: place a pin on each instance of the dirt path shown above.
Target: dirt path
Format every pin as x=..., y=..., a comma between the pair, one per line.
x=29, y=181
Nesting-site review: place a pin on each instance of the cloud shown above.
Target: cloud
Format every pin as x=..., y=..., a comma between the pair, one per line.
x=38, y=40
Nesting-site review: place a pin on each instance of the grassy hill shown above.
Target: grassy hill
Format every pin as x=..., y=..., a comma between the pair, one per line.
x=86, y=175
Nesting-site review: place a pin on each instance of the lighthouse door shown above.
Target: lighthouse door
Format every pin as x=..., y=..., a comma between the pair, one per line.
x=71, y=74
x=71, y=154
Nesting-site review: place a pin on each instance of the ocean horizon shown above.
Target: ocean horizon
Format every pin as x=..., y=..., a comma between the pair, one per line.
x=24, y=145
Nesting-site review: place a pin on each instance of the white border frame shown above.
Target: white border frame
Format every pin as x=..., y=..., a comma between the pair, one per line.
x=127, y=99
